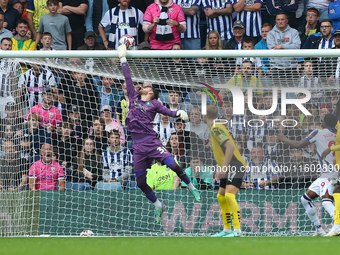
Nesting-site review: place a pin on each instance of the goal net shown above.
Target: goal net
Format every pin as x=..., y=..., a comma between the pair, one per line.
x=75, y=101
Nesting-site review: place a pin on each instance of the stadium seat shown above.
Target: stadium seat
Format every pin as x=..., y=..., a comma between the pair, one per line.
x=77, y=186
x=132, y=185
x=108, y=186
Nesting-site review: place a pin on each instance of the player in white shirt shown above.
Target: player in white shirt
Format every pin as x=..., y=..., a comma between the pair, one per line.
x=324, y=185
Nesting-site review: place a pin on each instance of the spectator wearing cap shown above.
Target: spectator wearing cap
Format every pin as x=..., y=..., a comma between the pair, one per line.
x=57, y=25
x=122, y=20
x=80, y=128
x=75, y=11
x=235, y=42
x=219, y=17
x=249, y=12
x=50, y=115
x=94, y=14
x=90, y=42
x=111, y=123
x=32, y=83
x=164, y=21
x=282, y=37
x=11, y=15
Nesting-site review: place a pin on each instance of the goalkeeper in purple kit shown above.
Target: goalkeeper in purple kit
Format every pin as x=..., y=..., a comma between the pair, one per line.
x=143, y=107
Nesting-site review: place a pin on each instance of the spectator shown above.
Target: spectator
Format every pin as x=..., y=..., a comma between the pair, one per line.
x=219, y=17
x=191, y=39
x=321, y=6
x=94, y=14
x=214, y=41
x=59, y=101
x=175, y=102
x=245, y=79
x=235, y=42
x=32, y=83
x=35, y=10
x=26, y=149
x=192, y=143
x=164, y=128
x=48, y=24
x=334, y=11
x=194, y=98
x=75, y=10
x=325, y=109
x=117, y=18
x=98, y=134
x=123, y=107
x=325, y=41
x=117, y=160
x=164, y=26
x=11, y=15
x=282, y=36
x=200, y=175
x=20, y=8
x=50, y=115
x=311, y=26
x=21, y=41
x=261, y=171
x=68, y=147
x=283, y=6
x=262, y=45
x=197, y=125
x=273, y=148
x=12, y=118
x=108, y=94
x=38, y=134
x=4, y=33
x=335, y=96
x=178, y=152
x=79, y=126
x=159, y=177
x=45, y=173
x=249, y=12
x=79, y=91
x=256, y=133
x=332, y=63
x=88, y=164
x=310, y=81
x=111, y=123
x=236, y=123
x=46, y=40
x=248, y=44
x=90, y=42
x=13, y=170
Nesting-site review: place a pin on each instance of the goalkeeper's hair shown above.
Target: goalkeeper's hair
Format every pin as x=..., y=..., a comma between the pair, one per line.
x=155, y=93
x=212, y=112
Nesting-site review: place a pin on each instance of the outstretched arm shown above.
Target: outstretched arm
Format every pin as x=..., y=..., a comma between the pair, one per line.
x=126, y=71
x=295, y=144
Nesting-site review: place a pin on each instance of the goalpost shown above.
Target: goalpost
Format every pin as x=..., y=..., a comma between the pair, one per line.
x=271, y=211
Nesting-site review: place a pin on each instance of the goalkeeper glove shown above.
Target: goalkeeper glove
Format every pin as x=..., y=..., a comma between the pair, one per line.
x=182, y=114
x=122, y=53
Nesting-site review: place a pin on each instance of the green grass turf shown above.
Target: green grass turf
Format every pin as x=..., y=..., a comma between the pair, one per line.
x=170, y=245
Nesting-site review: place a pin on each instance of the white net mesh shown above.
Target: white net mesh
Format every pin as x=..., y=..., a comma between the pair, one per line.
x=88, y=102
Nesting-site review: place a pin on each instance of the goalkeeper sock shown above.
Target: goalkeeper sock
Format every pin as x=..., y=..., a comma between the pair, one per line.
x=310, y=210
x=234, y=209
x=225, y=212
x=329, y=206
x=181, y=174
x=336, y=197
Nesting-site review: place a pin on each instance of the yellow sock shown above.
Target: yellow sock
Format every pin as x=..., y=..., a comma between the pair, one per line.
x=225, y=211
x=336, y=197
x=234, y=209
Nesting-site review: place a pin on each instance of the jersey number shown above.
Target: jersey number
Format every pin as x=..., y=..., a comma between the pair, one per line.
x=231, y=175
x=161, y=150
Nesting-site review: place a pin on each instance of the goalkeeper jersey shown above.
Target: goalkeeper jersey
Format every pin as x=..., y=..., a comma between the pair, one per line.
x=219, y=136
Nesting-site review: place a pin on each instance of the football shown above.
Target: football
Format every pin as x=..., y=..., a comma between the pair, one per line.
x=87, y=233
x=128, y=40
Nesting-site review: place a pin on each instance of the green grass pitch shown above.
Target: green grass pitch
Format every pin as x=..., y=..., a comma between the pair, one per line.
x=169, y=245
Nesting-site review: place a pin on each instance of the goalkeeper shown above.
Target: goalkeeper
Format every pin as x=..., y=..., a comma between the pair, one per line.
x=335, y=231
x=233, y=167
x=143, y=106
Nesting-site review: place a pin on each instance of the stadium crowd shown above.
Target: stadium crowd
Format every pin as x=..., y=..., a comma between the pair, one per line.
x=59, y=126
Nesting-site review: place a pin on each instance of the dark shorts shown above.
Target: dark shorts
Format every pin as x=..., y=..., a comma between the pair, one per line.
x=147, y=149
x=233, y=177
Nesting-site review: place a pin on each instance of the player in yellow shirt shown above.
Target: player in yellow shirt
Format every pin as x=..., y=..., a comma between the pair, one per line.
x=232, y=171
x=335, y=231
